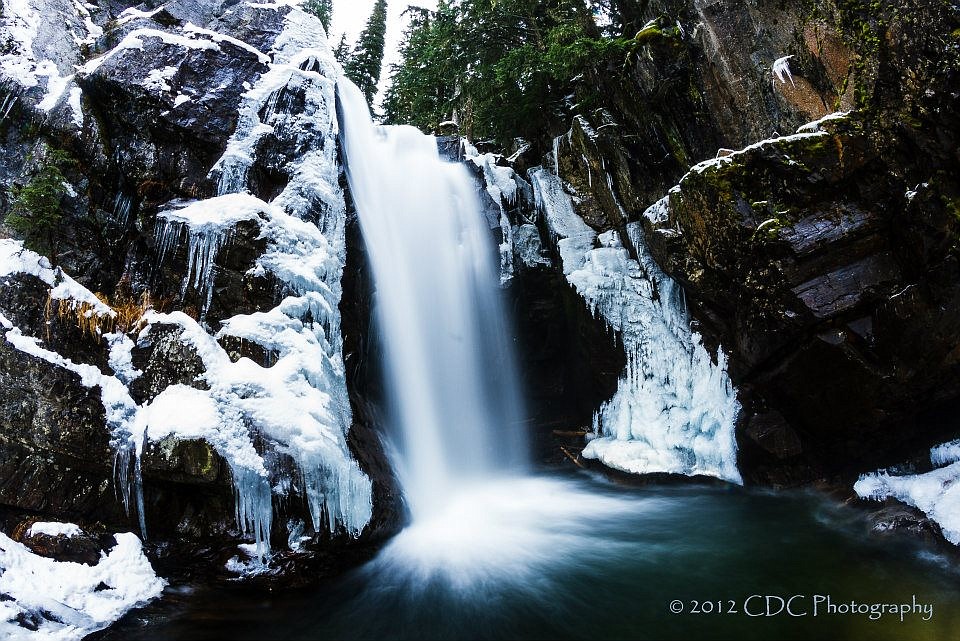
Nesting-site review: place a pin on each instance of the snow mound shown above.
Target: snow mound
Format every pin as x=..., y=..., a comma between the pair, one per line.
x=935, y=493
x=67, y=601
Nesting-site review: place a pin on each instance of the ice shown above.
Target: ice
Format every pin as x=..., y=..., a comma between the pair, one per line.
x=208, y=225
x=526, y=239
x=68, y=530
x=674, y=410
x=945, y=454
x=501, y=185
x=935, y=493
x=299, y=404
x=212, y=415
x=573, y=236
x=72, y=593
x=781, y=69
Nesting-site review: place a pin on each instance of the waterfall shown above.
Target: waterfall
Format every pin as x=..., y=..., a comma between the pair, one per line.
x=454, y=401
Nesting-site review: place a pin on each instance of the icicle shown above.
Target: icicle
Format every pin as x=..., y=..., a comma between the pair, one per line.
x=674, y=410
x=121, y=209
x=254, y=506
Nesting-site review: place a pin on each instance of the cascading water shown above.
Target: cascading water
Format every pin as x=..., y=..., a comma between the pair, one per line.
x=481, y=520
x=454, y=395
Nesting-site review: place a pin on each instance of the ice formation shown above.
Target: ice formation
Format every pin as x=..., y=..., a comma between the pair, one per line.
x=73, y=601
x=573, y=237
x=298, y=403
x=675, y=409
x=781, y=69
x=501, y=185
x=935, y=493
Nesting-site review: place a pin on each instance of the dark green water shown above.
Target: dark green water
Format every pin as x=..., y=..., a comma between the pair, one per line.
x=575, y=557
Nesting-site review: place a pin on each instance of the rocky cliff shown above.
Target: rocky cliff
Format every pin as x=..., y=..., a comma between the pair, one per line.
x=174, y=366
x=816, y=240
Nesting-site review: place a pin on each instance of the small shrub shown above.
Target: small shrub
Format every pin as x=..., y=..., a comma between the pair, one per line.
x=36, y=213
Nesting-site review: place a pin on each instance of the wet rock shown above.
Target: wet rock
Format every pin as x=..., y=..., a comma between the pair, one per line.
x=165, y=360
x=81, y=547
x=895, y=517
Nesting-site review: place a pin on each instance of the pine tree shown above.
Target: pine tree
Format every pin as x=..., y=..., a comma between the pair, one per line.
x=363, y=66
x=342, y=52
x=323, y=9
x=35, y=211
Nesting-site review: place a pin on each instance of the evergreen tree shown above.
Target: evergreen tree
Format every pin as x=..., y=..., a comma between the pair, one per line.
x=422, y=83
x=342, y=52
x=323, y=9
x=506, y=68
x=363, y=65
x=36, y=212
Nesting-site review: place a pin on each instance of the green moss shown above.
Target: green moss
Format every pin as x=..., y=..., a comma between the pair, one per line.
x=952, y=203
x=677, y=147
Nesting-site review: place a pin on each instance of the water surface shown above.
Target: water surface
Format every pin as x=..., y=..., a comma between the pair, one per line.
x=577, y=557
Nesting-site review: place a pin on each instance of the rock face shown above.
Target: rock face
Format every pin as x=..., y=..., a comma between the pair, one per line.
x=825, y=262
x=158, y=110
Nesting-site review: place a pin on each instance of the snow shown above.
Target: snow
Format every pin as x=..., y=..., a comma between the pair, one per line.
x=716, y=163
x=15, y=259
x=935, y=493
x=299, y=403
x=73, y=100
x=781, y=69
x=194, y=30
x=134, y=40
x=816, y=125
x=132, y=13
x=120, y=358
x=659, y=212
x=159, y=79
x=72, y=593
x=208, y=224
x=21, y=22
x=68, y=530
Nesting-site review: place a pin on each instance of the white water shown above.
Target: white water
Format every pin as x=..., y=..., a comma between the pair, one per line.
x=454, y=398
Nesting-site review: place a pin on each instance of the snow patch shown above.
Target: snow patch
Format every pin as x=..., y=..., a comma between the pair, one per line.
x=935, y=493
x=68, y=600
x=68, y=530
